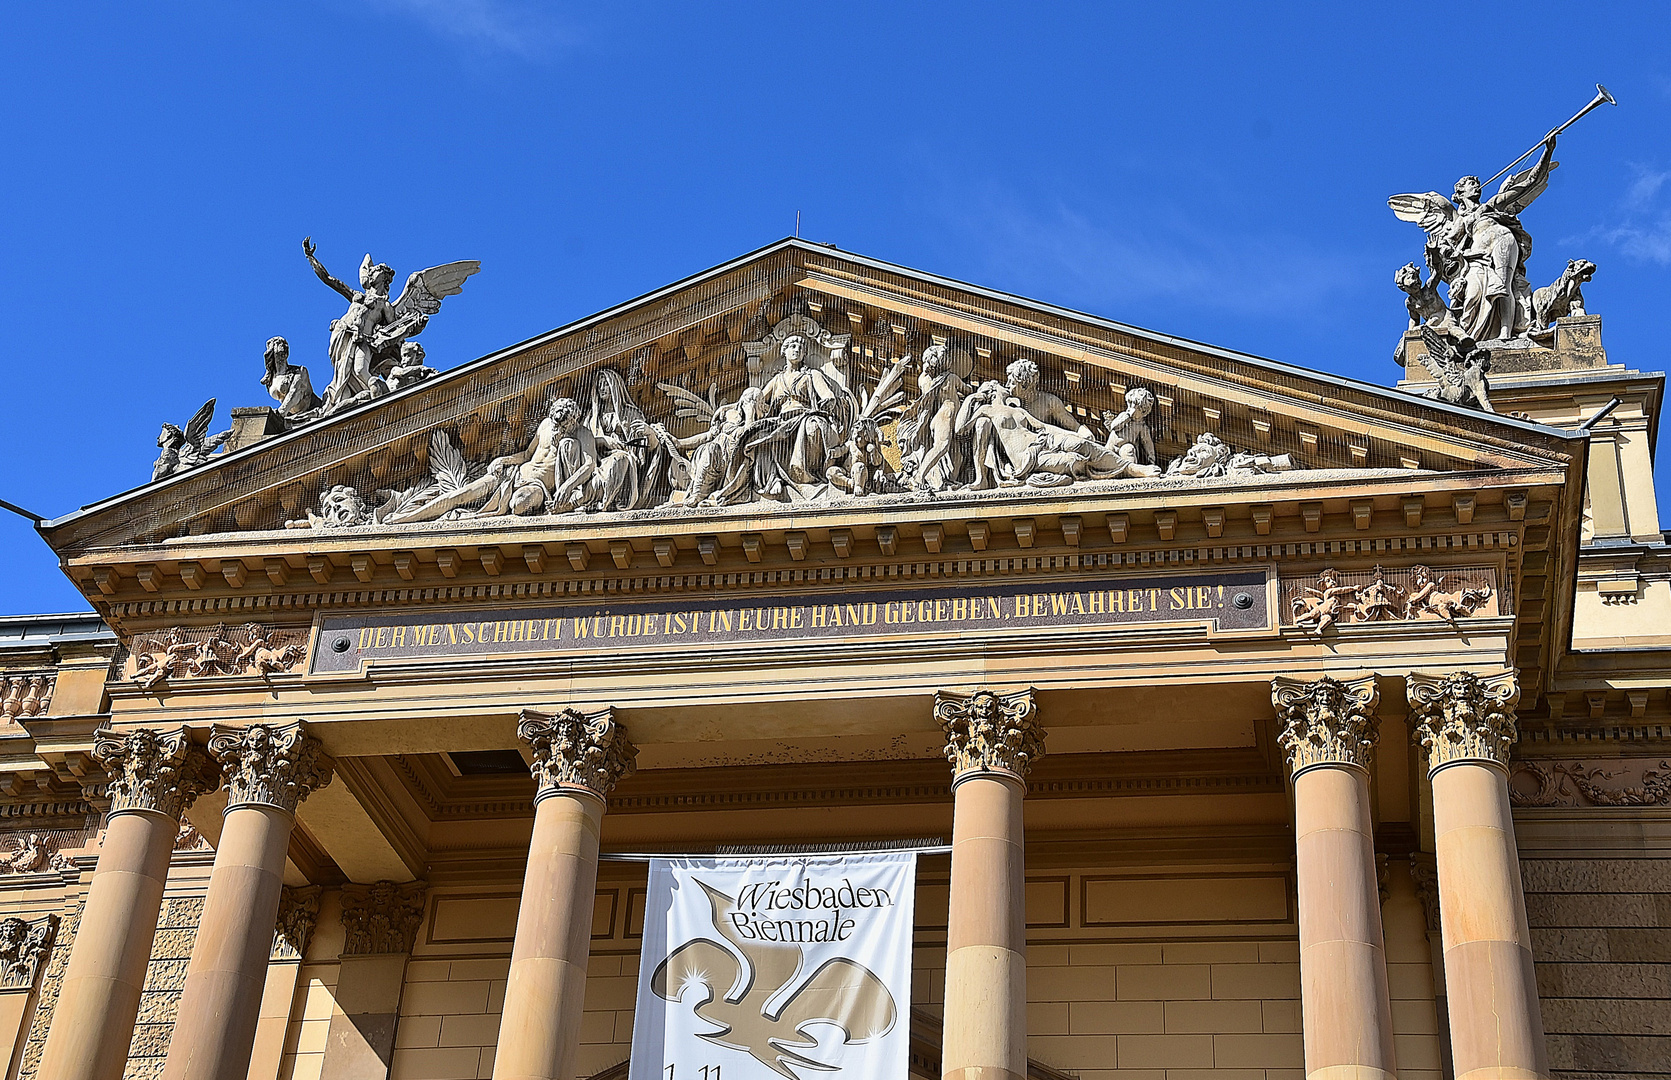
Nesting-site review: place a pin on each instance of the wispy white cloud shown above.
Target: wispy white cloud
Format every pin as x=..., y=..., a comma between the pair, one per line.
x=1641, y=228
x=518, y=27
x=1150, y=258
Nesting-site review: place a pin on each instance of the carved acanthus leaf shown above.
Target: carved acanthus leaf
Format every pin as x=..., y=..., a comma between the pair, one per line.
x=577, y=750
x=1463, y=716
x=381, y=918
x=270, y=766
x=297, y=915
x=24, y=946
x=154, y=770
x=1326, y=721
x=990, y=732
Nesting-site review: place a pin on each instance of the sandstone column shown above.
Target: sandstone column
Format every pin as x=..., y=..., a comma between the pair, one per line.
x=1466, y=724
x=578, y=758
x=269, y=771
x=1328, y=731
x=992, y=741
x=298, y=914
x=380, y=923
x=154, y=777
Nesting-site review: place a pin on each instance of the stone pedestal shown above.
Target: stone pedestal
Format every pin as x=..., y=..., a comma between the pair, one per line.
x=992, y=741
x=577, y=760
x=269, y=772
x=1466, y=724
x=155, y=776
x=1329, y=730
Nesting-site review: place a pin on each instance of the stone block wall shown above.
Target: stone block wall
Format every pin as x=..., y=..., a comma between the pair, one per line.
x=1601, y=935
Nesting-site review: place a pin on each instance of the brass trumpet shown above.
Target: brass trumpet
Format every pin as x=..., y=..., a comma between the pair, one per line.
x=1602, y=98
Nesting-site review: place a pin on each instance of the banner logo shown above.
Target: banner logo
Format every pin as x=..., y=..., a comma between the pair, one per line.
x=764, y=1004
x=776, y=968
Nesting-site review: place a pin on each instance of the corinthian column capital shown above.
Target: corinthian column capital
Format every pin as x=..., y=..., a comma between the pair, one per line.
x=1463, y=716
x=382, y=918
x=270, y=766
x=577, y=751
x=1326, y=722
x=988, y=732
x=154, y=770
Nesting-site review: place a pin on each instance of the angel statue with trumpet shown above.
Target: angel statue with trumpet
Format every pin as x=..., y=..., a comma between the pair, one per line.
x=1478, y=247
x=366, y=340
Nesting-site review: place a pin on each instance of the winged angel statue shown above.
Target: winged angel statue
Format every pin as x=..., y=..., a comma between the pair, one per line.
x=1479, y=249
x=366, y=341
x=187, y=449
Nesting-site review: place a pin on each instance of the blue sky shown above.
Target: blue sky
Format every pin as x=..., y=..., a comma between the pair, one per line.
x=1213, y=171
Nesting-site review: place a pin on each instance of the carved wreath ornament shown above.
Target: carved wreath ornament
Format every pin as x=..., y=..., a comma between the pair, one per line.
x=1326, y=722
x=577, y=750
x=988, y=732
x=1463, y=716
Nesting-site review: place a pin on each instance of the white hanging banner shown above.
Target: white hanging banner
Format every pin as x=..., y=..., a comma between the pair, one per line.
x=776, y=968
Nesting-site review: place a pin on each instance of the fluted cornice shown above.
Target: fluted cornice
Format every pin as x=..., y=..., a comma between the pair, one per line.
x=1463, y=716
x=270, y=766
x=987, y=732
x=1326, y=721
x=150, y=769
x=577, y=751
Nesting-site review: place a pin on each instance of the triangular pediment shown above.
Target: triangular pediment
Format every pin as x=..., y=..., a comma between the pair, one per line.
x=716, y=335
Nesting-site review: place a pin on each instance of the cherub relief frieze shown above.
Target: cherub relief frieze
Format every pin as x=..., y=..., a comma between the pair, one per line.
x=1590, y=783
x=1382, y=595
x=252, y=649
x=800, y=432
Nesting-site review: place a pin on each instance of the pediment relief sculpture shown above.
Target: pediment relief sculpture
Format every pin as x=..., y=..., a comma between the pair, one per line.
x=800, y=432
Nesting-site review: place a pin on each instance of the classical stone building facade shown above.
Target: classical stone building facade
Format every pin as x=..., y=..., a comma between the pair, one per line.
x=1278, y=724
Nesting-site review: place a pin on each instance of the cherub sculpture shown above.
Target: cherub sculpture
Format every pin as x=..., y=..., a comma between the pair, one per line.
x=370, y=333
x=1459, y=369
x=1323, y=607
x=1129, y=435
x=159, y=659
x=29, y=856
x=263, y=655
x=1429, y=596
x=704, y=472
x=1421, y=297
x=182, y=450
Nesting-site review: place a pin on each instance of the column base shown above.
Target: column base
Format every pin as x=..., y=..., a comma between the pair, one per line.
x=982, y=1072
x=1350, y=1072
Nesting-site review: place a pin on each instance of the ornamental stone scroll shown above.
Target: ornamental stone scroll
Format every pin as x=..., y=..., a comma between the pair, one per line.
x=1326, y=721
x=270, y=766
x=1463, y=716
x=575, y=751
x=987, y=732
x=156, y=770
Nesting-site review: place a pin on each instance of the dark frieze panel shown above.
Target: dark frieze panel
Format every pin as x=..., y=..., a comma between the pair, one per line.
x=1231, y=601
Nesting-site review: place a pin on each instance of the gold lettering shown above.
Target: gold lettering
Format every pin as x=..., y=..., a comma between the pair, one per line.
x=1175, y=600
x=819, y=618
x=452, y=633
x=1058, y=603
x=795, y=615
x=742, y=624
x=1154, y=599
x=1097, y=600
x=993, y=611
x=1134, y=600
x=469, y=630
x=780, y=618
x=1038, y=606
x=725, y=620
x=1204, y=596
x=941, y=611
x=835, y=614
x=366, y=637
x=907, y=612
x=890, y=613
x=397, y=638
x=960, y=608
x=852, y=616
x=678, y=622
x=869, y=615
x=382, y=636
x=481, y=632
x=500, y=631
x=519, y=630
x=1023, y=606
x=617, y=625
x=1078, y=604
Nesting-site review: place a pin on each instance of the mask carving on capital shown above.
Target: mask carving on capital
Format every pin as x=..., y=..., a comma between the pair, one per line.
x=588, y=751
x=1326, y=721
x=988, y=732
x=1463, y=716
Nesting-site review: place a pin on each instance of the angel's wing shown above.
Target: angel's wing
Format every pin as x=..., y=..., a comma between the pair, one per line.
x=687, y=404
x=425, y=289
x=1439, y=352
x=843, y=993
x=1519, y=189
x=198, y=426
x=446, y=463
x=1429, y=209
